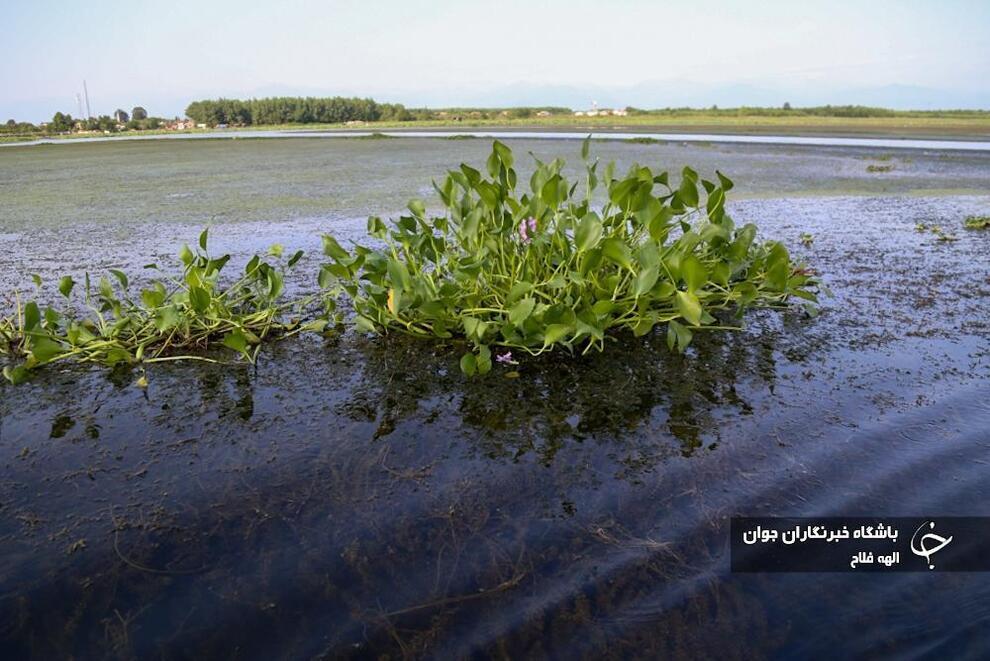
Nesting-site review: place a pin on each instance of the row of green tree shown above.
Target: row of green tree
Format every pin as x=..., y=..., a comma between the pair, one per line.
x=294, y=110
x=137, y=119
x=786, y=110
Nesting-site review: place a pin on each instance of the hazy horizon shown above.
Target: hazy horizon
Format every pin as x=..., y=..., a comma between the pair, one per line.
x=918, y=55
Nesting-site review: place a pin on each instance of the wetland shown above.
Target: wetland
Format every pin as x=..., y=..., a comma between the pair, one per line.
x=354, y=496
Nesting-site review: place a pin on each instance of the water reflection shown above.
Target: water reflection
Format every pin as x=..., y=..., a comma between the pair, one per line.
x=639, y=389
x=359, y=497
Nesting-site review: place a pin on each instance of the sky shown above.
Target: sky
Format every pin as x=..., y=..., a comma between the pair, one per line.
x=162, y=55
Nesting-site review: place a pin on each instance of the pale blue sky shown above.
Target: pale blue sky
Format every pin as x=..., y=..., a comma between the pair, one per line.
x=163, y=54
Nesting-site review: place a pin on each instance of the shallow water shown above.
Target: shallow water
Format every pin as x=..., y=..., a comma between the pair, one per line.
x=743, y=139
x=356, y=497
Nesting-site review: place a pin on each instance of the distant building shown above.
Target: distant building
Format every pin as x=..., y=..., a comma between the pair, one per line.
x=596, y=112
x=543, y=113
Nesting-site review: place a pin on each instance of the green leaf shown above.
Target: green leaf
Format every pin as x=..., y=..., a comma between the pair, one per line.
x=15, y=374
x=418, y=208
x=688, y=191
x=694, y=273
x=504, y=153
x=237, y=341
x=199, y=299
x=678, y=336
x=588, y=233
x=276, y=250
x=186, y=255
x=203, y=238
x=484, y=360
x=44, y=349
x=469, y=364
x=106, y=289
x=276, y=283
x=295, y=258
x=365, y=324
x=333, y=249
x=724, y=181
x=618, y=251
x=474, y=329
x=645, y=280
x=32, y=316
x=166, y=318
x=65, y=285
x=555, y=333
x=585, y=147
x=518, y=290
x=153, y=298
x=37, y=280
x=689, y=307
x=520, y=311
x=121, y=277
x=326, y=278
x=376, y=227
x=117, y=355
x=602, y=307
x=399, y=275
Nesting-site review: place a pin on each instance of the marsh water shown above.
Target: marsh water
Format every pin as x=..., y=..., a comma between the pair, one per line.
x=354, y=496
x=527, y=134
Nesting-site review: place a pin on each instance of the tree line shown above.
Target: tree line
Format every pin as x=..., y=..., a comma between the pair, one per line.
x=136, y=120
x=294, y=110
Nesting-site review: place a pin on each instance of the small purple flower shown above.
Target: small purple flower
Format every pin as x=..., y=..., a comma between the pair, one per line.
x=526, y=227
x=505, y=358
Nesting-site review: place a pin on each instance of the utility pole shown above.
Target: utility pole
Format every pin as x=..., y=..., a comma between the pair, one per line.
x=89, y=113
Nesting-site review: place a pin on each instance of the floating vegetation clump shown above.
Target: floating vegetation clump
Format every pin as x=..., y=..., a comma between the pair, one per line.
x=940, y=234
x=879, y=168
x=977, y=222
x=548, y=269
x=534, y=271
x=174, y=318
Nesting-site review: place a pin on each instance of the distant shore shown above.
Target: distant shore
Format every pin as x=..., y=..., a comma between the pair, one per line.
x=911, y=127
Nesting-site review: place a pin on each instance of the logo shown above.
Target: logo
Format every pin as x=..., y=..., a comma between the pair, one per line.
x=925, y=551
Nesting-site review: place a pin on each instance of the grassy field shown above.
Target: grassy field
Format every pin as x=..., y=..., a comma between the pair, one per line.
x=950, y=125
x=977, y=127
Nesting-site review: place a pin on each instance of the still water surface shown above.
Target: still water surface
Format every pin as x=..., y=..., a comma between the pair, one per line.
x=816, y=141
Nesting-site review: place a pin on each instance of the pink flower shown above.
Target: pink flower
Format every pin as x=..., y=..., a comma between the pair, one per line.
x=505, y=358
x=526, y=227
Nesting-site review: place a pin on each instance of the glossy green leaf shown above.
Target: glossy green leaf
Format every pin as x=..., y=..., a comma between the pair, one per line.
x=520, y=311
x=65, y=285
x=689, y=307
x=589, y=232
x=469, y=364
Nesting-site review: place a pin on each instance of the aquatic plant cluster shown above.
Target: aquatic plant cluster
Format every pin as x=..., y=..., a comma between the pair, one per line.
x=548, y=268
x=174, y=318
x=977, y=222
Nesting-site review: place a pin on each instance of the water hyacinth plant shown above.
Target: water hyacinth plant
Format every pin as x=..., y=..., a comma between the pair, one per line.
x=173, y=318
x=538, y=267
x=977, y=222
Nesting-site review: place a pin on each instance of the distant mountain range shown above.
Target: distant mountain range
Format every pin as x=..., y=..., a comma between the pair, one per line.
x=697, y=95
x=651, y=94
